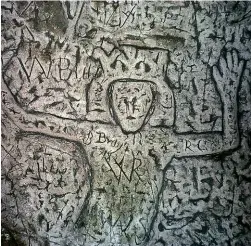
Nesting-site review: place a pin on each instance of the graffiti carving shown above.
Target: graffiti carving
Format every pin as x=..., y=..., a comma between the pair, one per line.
x=130, y=103
x=126, y=123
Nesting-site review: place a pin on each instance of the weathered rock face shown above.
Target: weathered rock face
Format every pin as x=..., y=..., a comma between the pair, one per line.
x=126, y=123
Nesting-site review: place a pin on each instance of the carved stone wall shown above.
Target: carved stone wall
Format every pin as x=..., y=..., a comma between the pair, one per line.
x=126, y=123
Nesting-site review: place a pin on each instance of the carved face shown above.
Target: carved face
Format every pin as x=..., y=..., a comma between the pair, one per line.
x=131, y=102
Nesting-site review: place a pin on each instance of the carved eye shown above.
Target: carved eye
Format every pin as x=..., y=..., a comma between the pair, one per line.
x=147, y=68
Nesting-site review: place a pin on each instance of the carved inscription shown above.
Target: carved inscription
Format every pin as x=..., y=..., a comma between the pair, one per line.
x=126, y=123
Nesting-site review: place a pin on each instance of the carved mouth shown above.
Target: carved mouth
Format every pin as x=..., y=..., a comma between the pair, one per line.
x=130, y=117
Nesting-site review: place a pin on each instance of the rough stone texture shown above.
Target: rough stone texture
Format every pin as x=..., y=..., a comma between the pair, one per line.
x=126, y=123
